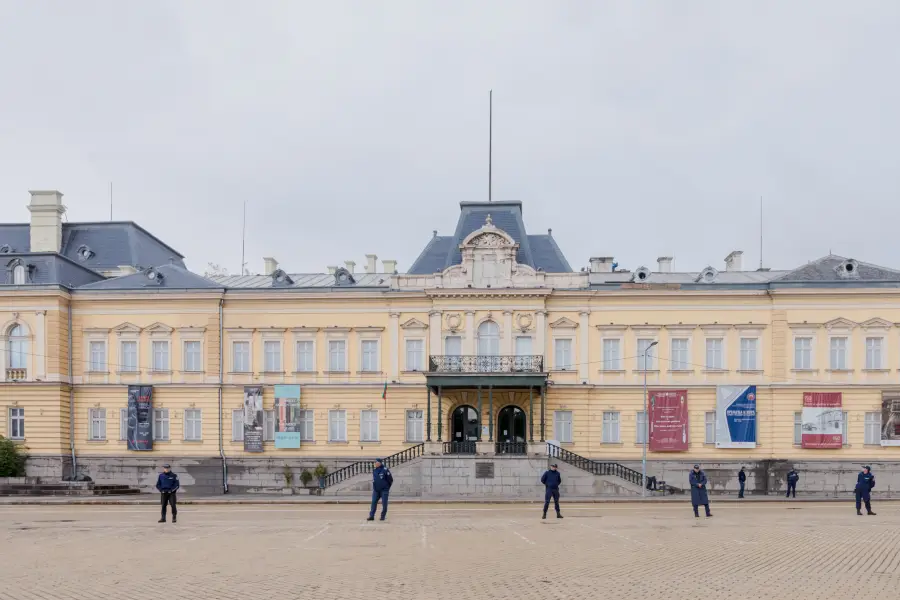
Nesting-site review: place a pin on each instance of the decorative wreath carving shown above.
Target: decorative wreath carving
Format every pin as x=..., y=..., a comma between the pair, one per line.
x=454, y=321
x=524, y=321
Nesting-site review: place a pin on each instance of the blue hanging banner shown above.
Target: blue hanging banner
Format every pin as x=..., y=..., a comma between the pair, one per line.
x=736, y=416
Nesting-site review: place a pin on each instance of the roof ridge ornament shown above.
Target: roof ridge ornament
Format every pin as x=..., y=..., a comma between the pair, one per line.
x=488, y=222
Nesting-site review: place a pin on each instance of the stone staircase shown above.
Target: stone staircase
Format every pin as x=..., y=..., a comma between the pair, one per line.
x=356, y=478
x=608, y=478
x=35, y=486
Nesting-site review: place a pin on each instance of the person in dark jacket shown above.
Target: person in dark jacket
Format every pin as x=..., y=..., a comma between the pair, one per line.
x=167, y=485
x=792, y=478
x=551, y=480
x=865, y=481
x=742, y=479
x=382, y=480
x=699, y=497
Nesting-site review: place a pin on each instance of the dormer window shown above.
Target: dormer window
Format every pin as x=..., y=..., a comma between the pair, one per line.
x=280, y=278
x=343, y=277
x=154, y=276
x=641, y=274
x=848, y=269
x=84, y=252
x=708, y=275
x=6, y=249
x=17, y=272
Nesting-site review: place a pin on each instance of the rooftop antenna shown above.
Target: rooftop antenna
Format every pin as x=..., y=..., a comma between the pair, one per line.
x=243, y=238
x=490, y=141
x=760, y=233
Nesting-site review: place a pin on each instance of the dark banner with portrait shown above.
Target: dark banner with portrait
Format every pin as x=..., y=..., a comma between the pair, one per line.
x=140, y=418
x=253, y=418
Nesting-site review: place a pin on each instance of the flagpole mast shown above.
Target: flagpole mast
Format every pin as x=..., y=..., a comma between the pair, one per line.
x=490, y=142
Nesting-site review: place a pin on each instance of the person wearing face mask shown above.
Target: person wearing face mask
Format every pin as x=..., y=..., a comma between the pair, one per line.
x=699, y=496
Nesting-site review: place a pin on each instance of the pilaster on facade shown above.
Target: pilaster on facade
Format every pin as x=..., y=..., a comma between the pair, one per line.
x=541, y=334
x=507, y=347
x=584, y=346
x=469, y=340
x=394, y=336
x=40, y=345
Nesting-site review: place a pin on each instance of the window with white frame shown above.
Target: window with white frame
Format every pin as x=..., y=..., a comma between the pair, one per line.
x=874, y=353
x=123, y=424
x=453, y=345
x=17, y=348
x=337, y=356
x=269, y=426
x=19, y=275
x=749, y=354
x=415, y=355
x=838, y=353
x=97, y=424
x=272, y=356
x=16, y=423
x=523, y=345
x=562, y=354
x=845, y=428
x=715, y=358
x=873, y=428
x=193, y=356
x=160, y=354
x=306, y=419
x=97, y=352
x=193, y=424
x=305, y=356
x=611, y=428
x=240, y=356
x=415, y=426
x=612, y=354
x=803, y=353
x=161, y=424
x=368, y=426
x=237, y=425
x=562, y=426
x=337, y=425
x=640, y=434
x=645, y=352
x=128, y=356
x=681, y=360
x=710, y=422
x=798, y=428
x=369, y=356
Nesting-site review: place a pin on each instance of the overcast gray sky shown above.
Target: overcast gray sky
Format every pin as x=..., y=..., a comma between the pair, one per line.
x=633, y=129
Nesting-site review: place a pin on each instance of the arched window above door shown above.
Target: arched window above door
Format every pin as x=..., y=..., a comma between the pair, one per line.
x=488, y=339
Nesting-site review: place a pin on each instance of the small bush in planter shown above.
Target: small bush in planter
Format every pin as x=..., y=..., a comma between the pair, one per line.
x=321, y=472
x=306, y=477
x=12, y=460
x=288, y=476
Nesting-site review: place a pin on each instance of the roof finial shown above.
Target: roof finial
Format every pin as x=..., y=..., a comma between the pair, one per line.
x=488, y=222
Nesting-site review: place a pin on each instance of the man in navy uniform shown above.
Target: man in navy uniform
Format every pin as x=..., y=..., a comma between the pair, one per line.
x=551, y=480
x=742, y=479
x=167, y=485
x=699, y=497
x=381, y=488
x=865, y=481
x=792, y=478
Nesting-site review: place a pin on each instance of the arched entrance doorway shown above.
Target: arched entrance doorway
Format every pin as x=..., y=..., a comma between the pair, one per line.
x=464, y=424
x=511, y=430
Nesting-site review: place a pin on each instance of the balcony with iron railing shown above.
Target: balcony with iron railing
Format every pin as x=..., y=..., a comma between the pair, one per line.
x=486, y=364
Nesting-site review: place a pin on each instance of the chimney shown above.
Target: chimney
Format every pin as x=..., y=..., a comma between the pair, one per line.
x=332, y=270
x=349, y=265
x=371, y=263
x=46, y=221
x=733, y=261
x=665, y=263
x=389, y=266
x=602, y=264
x=271, y=265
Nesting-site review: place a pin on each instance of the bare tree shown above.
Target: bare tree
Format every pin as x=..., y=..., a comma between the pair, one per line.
x=214, y=270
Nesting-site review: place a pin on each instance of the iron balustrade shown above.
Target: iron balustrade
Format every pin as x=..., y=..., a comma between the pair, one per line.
x=366, y=466
x=459, y=447
x=511, y=448
x=483, y=363
x=609, y=469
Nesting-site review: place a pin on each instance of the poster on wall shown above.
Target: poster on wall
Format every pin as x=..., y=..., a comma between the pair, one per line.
x=253, y=418
x=822, y=420
x=140, y=418
x=668, y=421
x=736, y=416
x=890, y=419
x=287, y=416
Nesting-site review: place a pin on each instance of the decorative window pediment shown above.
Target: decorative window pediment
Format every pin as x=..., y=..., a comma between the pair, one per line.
x=414, y=324
x=840, y=323
x=875, y=323
x=159, y=328
x=563, y=323
x=126, y=328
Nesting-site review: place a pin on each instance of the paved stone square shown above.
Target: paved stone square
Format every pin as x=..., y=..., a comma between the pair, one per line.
x=463, y=552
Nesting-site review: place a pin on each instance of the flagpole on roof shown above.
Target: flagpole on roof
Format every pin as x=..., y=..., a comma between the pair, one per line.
x=490, y=141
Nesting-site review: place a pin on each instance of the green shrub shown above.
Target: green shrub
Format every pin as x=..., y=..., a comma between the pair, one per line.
x=306, y=477
x=12, y=460
x=321, y=471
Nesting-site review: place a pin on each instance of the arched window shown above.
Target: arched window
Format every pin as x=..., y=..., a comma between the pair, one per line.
x=17, y=347
x=488, y=339
x=19, y=275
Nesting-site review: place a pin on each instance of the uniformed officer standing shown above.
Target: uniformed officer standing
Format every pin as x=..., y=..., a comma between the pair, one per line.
x=167, y=485
x=742, y=479
x=865, y=481
x=792, y=478
x=699, y=497
x=381, y=488
x=551, y=480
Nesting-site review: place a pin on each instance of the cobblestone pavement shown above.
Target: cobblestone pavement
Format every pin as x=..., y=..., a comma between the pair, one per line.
x=435, y=552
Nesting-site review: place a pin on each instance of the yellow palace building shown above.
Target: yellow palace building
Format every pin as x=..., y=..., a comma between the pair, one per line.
x=460, y=368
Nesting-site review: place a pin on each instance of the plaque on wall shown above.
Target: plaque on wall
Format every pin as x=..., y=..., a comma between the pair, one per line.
x=484, y=470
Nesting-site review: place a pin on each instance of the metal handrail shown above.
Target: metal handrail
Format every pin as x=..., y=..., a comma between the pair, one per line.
x=511, y=448
x=466, y=447
x=485, y=363
x=609, y=469
x=366, y=466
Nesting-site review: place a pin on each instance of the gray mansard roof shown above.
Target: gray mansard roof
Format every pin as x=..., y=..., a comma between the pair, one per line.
x=537, y=251
x=43, y=268
x=173, y=277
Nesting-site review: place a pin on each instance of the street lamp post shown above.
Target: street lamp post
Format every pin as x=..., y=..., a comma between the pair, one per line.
x=646, y=425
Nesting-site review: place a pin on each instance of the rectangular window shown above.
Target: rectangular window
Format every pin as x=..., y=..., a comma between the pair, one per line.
x=98, y=356
x=17, y=423
x=453, y=345
x=803, y=353
x=838, y=353
x=237, y=425
x=123, y=424
x=240, y=357
x=714, y=353
x=611, y=428
x=415, y=426
x=305, y=356
x=272, y=356
x=269, y=426
x=18, y=351
x=129, y=358
x=562, y=426
x=749, y=354
x=193, y=421
x=845, y=428
x=160, y=352
x=873, y=428
x=368, y=426
x=612, y=355
x=161, y=424
x=523, y=345
x=337, y=425
x=306, y=418
x=415, y=355
x=562, y=353
x=97, y=423
x=193, y=361
x=337, y=356
x=643, y=344
x=710, y=421
x=874, y=353
x=641, y=430
x=369, y=356
x=798, y=428
x=680, y=357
